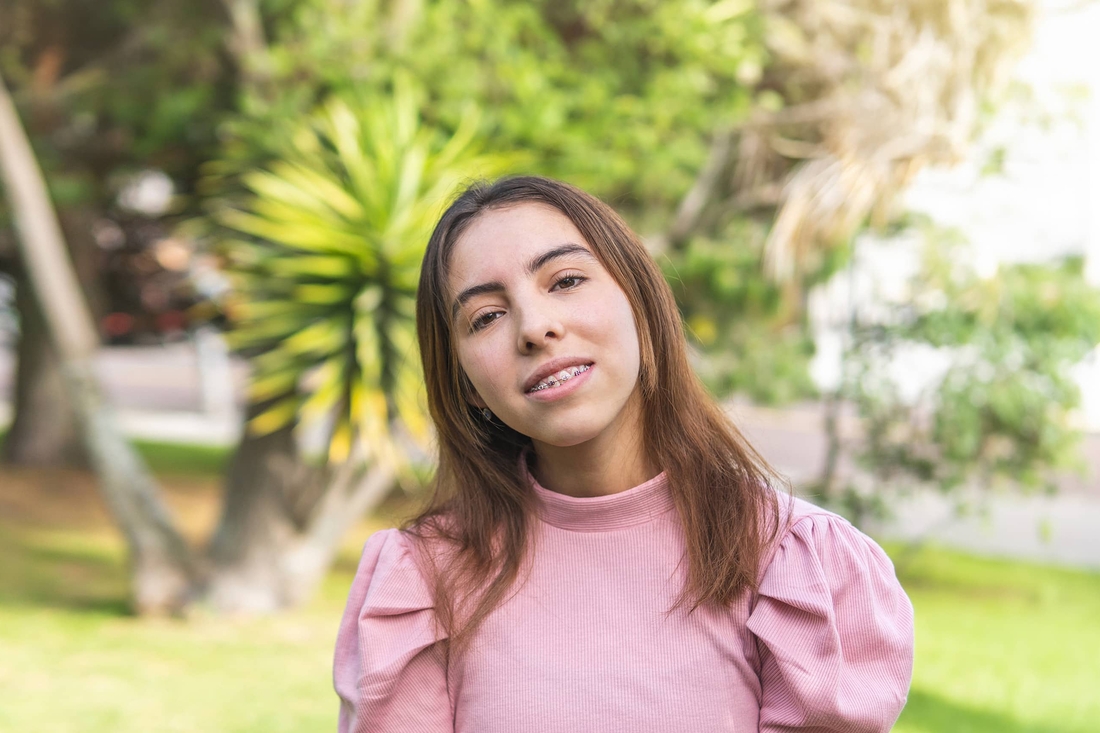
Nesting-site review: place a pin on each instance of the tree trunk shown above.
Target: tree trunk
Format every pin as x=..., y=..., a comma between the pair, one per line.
x=163, y=567
x=282, y=522
x=257, y=525
x=43, y=430
x=248, y=46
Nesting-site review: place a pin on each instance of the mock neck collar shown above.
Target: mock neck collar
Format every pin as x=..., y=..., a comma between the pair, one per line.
x=636, y=505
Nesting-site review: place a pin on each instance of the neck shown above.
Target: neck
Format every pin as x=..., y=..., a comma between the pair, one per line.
x=611, y=462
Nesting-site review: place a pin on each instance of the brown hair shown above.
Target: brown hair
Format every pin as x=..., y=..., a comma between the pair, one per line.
x=481, y=508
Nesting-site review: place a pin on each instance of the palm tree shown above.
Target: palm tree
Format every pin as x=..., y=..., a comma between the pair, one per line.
x=324, y=253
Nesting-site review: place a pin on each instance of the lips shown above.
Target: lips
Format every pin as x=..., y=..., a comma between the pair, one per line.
x=559, y=377
x=555, y=372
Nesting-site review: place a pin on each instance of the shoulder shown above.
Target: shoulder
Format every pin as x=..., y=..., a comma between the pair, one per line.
x=389, y=578
x=796, y=510
x=823, y=566
x=384, y=671
x=834, y=626
x=808, y=531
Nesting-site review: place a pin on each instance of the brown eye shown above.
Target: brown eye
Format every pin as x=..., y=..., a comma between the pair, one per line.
x=484, y=320
x=569, y=282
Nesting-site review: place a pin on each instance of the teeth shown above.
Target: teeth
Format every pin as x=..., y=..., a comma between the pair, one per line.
x=563, y=376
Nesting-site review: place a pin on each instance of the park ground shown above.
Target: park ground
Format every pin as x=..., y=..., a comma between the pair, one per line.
x=1002, y=647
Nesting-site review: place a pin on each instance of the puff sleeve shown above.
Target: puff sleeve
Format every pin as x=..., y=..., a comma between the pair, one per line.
x=388, y=672
x=834, y=632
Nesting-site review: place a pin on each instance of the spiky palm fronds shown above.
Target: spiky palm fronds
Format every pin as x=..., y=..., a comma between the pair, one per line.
x=324, y=255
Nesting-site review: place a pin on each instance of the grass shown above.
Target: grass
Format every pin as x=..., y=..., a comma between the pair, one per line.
x=176, y=458
x=73, y=659
x=173, y=458
x=1002, y=647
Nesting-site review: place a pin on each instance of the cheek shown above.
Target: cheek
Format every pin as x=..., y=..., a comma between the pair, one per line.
x=616, y=321
x=484, y=371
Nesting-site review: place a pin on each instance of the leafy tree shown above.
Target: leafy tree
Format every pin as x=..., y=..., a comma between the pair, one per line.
x=746, y=341
x=702, y=121
x=619, y=97
x=669, y=110
x=698, y=120
x=854, y=99
x=1000, y=413
x=105, y=90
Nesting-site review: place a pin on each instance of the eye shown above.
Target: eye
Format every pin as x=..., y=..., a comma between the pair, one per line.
x=484, y=320
x=569, y=281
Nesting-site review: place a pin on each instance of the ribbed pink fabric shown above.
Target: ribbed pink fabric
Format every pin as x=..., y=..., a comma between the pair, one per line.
x=588, y=644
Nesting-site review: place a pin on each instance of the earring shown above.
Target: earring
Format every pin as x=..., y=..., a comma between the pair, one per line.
x=487, y=414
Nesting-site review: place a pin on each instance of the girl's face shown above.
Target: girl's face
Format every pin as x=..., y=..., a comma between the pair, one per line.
x=545, y=335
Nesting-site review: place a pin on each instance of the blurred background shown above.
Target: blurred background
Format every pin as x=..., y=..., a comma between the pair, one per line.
x=881, y=221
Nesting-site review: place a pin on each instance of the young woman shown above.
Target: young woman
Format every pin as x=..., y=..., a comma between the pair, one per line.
x=604, y=551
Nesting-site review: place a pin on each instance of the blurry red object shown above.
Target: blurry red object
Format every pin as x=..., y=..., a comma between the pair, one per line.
x=173, y=320
x=117, y=324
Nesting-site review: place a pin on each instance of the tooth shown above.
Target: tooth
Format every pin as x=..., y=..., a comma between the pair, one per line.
x=563, y=375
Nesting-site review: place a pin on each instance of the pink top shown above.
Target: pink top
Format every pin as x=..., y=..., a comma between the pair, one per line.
x=586, y=644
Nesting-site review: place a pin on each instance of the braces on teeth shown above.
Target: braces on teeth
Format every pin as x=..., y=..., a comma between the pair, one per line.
x=563, y=376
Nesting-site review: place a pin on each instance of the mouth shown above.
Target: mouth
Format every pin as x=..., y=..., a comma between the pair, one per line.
x=554, y=375
x=559, y=378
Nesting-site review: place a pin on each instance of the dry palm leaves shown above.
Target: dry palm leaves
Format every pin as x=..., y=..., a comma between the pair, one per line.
x=883, y=89
x=871, y=92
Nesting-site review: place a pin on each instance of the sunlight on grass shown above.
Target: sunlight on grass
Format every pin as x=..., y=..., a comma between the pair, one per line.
x=73, y=654
x=1003, y=647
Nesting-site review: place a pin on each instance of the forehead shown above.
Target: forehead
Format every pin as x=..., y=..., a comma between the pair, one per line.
x=500, y=241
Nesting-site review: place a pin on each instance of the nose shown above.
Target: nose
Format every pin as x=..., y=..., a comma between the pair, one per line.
x=537, y=325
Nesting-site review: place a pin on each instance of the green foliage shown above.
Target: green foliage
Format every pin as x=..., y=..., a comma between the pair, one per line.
x=619, y=97
x=109, y=87
x=1002, y=411
x=745, y=338
x=324, y=254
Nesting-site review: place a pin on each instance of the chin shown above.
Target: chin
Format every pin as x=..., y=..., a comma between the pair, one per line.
x=566, y=437
x=564, y=440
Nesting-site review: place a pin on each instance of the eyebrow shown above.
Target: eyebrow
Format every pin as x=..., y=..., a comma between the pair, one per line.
x=532, y=267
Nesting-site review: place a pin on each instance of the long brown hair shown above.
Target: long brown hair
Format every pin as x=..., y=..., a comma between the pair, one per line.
x=482, y=506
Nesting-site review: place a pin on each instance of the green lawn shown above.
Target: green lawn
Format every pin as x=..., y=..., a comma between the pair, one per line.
x=1001, y=647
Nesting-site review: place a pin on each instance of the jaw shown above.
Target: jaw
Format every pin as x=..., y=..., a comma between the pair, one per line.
x=597, y=461
x=600, y=433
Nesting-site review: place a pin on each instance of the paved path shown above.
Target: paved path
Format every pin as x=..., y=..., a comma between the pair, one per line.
x=158, y=393
x=1062, y=529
